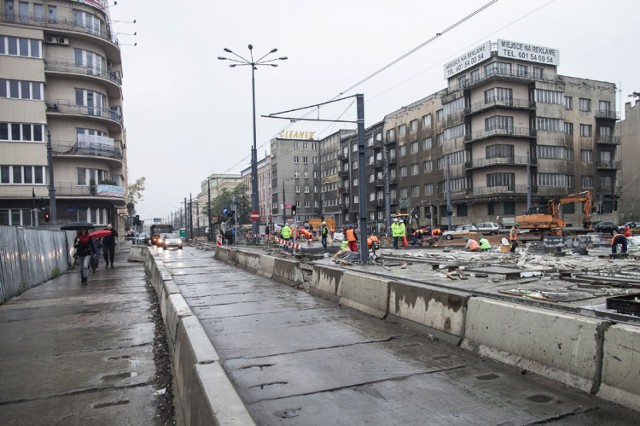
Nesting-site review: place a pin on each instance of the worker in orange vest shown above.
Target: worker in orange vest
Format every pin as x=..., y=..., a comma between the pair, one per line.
x=620, y=239
x=472, y=245
x=352, y=238
x=513, y=237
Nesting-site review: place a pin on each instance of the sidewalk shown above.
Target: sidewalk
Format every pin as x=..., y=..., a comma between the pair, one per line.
x=73, y=354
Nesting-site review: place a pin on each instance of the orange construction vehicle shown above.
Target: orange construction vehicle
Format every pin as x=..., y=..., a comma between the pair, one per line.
x=551, y=223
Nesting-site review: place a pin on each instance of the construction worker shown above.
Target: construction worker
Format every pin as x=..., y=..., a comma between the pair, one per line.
x=485, y=245
x=324, y=232
x=371, y=240
x=627, y=231
x=395, y=232
x=403, y=233
x=472, y=245
x=513, y=237
x=352, y=238
x=618, y=239
x=435, y=236
x=286, y=232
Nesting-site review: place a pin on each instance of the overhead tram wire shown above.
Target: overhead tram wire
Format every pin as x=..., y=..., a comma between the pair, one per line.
x=390, y=64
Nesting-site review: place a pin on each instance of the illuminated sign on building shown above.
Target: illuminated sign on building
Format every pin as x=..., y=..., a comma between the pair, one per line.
x=528, y=52
x=295, y=134
x=468, y=59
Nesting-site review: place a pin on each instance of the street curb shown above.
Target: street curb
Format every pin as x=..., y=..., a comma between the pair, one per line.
x=203, y=393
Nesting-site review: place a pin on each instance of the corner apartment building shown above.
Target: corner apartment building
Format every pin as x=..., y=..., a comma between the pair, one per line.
x=295, y=177
x=508, y=127
x=264, y=188
x=60, y=77
x=332, y=188
x=215, y=184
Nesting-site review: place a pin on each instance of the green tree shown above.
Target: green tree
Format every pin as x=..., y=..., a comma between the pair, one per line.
x=134, y=194
x=225, y=200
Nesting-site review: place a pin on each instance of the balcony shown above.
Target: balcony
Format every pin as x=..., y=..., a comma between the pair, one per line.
x=608, y=140
x=393, y=160
x=73, y=190
x=609, y=165
x=90, y=146
x=63, y=107
x=498, y=190
x=343, y=173
x=501, y=75
x=343, y=157
x=500, y=103
x=65, y=66
x=343, y=190
x=378, y=164
x=498, y=161
x=513, y=132
x=607, y=114
x=379, y=183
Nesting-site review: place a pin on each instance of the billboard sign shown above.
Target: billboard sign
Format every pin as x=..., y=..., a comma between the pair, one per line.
x=468, y=59
x=528, y=52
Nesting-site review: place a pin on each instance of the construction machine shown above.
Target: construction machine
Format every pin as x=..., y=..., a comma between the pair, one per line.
x=551, y=223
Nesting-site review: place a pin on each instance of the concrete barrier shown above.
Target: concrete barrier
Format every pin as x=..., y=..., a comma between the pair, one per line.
x=221, y=254
x=366, y=293
x=248, y=261
x=442, y=311
x=325, y=282
x=135, y=253
x=556, y=345
x=287, y=271
x=621, y=366
x=266, y=266
x=204, y=393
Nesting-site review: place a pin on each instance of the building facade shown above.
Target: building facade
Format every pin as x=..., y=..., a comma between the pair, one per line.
x=295, y=178
x=630, y=177
x=60, y=83
x=214, y=185
x=333, y=191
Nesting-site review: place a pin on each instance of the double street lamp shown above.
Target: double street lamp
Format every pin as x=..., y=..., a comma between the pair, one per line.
x=241, y=61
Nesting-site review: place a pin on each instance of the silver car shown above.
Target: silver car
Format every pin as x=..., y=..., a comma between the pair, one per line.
x=170, y=240
x=489, y=228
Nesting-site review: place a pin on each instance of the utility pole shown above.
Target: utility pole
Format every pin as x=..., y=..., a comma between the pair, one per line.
x=284, y=206
x=190, y=217
x=362, y=182
x=186, y=224
x=387, y=190
x=52, y=188
x=529, y=188
x=209, y=210
x=449, y=207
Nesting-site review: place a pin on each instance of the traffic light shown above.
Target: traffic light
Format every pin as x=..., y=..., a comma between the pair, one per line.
x=293, y=210
x=46, y=216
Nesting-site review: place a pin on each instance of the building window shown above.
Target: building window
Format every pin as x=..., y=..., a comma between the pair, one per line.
x=297, y=189
x=502, y=68
x=498, y=94
x=404, y=192
x=606, y=182
x=549, y=96
x=585, y=104
x=403, y=171
x=19, y=46
x=554, y=152
x=428, y=166
x=454, y=106
x=296, y=145
x=415, y=169
x=568, y=102
x=305, y=160
x=439, y=138
x=296, y=159
x=522, y=70
x=439, y=116
x=475, y=75
x=586, y=155
x=454, y=132
x=413, y=126
x=20, y=132
x=354, y=147
x=314, y=160
x=538, y=73
x=306, y=189
x=498, y=122
x=568, y=128
x=428, y=189
x=501, y=179
x=20, y=89
x=415, y=191
x=585, y=130
x=402, y=130
x=586, y=181
x=462, y=210
x=426, y=120
x=426, y=143
x=499, y=151
x=391, y=135
x=549, y=124
x=414, y=147
x=604, y=107
x=355, y=181
x=403, y=150
x=557, y=180
x=28, y=175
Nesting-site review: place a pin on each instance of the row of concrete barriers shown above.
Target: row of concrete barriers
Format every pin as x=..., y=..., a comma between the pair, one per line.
x=594, y=355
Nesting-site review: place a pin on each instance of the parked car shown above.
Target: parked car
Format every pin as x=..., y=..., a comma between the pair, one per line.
x=460, y=231
x=489, y=228
x=606, y=227
x=170, y=240
x=632, y=225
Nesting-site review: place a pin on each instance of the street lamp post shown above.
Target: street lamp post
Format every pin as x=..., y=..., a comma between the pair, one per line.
x=241, y=61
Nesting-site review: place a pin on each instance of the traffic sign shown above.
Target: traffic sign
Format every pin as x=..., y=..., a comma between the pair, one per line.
x=255, y=216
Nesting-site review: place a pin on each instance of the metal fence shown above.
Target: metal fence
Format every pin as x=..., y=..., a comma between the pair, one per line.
x=31, y=256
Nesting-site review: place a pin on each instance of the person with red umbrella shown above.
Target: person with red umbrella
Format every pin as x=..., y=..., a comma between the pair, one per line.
x=97, y=236
x=84, y=250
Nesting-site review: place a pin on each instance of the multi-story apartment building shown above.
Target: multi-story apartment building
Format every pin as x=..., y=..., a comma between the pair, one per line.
x=295, y=177
x=507, y=129
x=216, y=183
x=60, y=82
x=331, y=183
x=627, y=130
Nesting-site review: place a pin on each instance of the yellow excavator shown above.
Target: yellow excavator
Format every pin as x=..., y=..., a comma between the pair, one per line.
x=551, y=223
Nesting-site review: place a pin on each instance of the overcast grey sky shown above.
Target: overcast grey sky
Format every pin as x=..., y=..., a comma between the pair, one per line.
x=188, y=114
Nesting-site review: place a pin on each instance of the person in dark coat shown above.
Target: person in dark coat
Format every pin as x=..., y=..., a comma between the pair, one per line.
x=84, y=250
x=109, y=246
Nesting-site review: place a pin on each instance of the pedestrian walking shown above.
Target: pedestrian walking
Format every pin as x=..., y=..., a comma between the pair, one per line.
x=109, y=246
x=513, y=237
x=84, y=250
x=324, y=233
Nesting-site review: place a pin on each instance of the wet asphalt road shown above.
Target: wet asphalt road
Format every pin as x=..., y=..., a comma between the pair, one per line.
x=300, y=360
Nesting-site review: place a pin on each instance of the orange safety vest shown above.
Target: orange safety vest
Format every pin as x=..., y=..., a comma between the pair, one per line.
x=474, y=245
x=513, y=234
x=351, y=235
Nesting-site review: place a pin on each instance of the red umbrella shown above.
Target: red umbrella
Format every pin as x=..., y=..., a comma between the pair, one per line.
x=100, y=234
